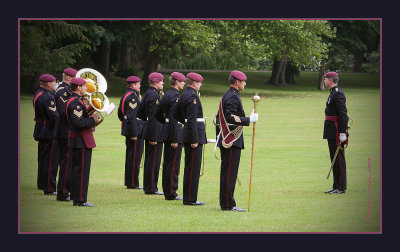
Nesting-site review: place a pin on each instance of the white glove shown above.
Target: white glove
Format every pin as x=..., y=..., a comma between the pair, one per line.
x=253, y=117
x=342, y=137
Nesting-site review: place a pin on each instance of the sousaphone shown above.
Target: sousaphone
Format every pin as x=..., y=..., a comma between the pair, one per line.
x=96, y=100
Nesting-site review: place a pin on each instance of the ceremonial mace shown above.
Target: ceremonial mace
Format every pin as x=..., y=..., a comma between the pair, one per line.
x=255, y=100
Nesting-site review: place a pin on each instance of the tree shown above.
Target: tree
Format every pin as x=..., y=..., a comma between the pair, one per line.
x=296, y=41
x=49, y=46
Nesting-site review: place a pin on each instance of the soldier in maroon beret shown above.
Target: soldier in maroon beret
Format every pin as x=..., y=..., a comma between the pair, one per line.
x=131, y=128
x=62, y=95
x=232, y=117
x=152, y=134
x=335, y=130
x=171, y=134
x=45, y=132
x=80, y=142
x=189, y=112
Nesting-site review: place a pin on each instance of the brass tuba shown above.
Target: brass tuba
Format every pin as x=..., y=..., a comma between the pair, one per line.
x=95, y=99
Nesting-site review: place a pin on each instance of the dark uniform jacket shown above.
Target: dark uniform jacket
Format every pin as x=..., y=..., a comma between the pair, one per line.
x=335, y=106
x=127, y=114
x=152, y=127
x=46, y=115
x=172, y=130
x=79, y=124
x=188, y=110
x=234, y=114
x=62, y=95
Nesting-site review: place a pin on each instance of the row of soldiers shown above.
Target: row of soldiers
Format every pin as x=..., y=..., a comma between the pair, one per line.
x=152, y=124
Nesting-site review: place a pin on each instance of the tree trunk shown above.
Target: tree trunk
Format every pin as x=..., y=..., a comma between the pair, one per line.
x=150, y=66
x=321, y=84
x=125, y=63
x=105, y=58
x=275, y=68
x=290, y=72
x=359, y=59
x=34, y=83
x=282, y=79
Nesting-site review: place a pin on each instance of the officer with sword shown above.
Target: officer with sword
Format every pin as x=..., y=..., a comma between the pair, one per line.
x=336, y=132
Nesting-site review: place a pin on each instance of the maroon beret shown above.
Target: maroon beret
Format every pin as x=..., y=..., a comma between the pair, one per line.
x=78, y=81
x=331, y=74
x=47, y=78
x=133, y=79
x=178, y=76
x=156, y=77
x=195, y=77
x=70, y=71
x=239, y=75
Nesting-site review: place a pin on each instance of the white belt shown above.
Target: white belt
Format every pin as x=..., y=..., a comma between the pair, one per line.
x=167, y=120
x=198, y=119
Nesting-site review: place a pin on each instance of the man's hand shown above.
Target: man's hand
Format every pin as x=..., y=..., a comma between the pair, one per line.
x=342, y=137
x=174, y=145
x=153, y=143
x=253, y=117
x=194, y=145
x=134, y=138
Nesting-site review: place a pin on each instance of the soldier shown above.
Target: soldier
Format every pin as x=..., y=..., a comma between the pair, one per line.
x=172, y=136
x=190, y=113
x=62, y=95
x=80, y=142
x=131, y=128
x=45, y=132
x=152, y=134
x=232, y=119
x=335, y=130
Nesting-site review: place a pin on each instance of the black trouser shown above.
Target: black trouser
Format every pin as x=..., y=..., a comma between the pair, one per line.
x=47, y=165
x=64, y=175
x=191, y=176
x=80, y=167
x=170, y=172
x=230, y=159
x=133, y=157
x=339, y=167
x=152, y=160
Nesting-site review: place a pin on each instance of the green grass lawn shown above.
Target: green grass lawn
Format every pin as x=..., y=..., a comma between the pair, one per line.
x=291, y=162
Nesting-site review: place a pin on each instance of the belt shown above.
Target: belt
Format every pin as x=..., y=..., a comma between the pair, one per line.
x=167, y=120
x=331, y=118
x=198, y=120
x=42, y=120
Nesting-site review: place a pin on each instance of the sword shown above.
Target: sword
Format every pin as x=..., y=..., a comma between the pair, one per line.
x=334, y=159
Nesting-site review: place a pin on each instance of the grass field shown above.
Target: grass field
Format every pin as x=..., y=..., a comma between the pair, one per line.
x=291, y=162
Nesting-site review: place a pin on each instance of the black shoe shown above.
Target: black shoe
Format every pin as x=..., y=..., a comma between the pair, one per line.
x=337, y=191
x=329, y=191
x=64, y=198
x=178, y=198
x=50, y=193
x=136, y=187
x=236, y=209
x=191, y=203
x=156, y=193
x=87, y=204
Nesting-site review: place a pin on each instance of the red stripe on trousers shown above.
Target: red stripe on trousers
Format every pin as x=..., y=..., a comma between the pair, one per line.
x=173, y=168
x=340, y=173
x=83, y=162
x=66, y=173
x=227, y=180
x=152, y=170
x=133, y=164
x=51, y=158
x=191, y=172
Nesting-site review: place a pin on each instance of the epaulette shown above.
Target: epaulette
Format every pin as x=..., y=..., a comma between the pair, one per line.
x=59, y=88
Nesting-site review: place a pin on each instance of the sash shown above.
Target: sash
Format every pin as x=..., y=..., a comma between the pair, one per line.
x=228, y=136
x=336, y=120
x=34, y=103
